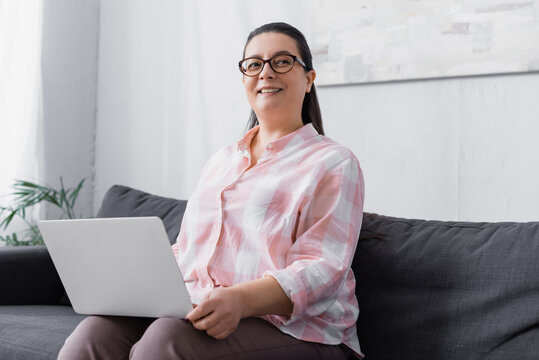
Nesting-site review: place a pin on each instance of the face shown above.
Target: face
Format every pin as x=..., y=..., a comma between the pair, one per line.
x=270, y=93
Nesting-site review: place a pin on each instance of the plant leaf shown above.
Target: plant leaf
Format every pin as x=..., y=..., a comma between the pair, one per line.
x=63, y=198
x=52, y=198
x=75, y=193
x=8, y=219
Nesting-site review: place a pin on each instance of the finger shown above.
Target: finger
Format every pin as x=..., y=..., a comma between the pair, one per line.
x=222, y=335
x=203, y=309
x=215, y=328
x=193, y=315
x=197, y=313
x=189, y=313
x=208, y=322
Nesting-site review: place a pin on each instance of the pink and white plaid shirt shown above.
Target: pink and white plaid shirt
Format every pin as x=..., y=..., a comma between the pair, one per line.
x=295, y=216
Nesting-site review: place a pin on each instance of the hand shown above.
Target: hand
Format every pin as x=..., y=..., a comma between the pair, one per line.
x=175, y=250
x=219, y=313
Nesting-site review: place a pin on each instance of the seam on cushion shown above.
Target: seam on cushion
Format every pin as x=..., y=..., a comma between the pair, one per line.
x=29, y=349
x=253, y=350
x=422, y=222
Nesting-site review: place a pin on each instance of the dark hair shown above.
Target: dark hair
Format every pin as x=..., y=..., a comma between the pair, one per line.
x=310, y=111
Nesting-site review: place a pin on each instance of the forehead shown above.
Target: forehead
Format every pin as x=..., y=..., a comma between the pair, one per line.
x=267, y=44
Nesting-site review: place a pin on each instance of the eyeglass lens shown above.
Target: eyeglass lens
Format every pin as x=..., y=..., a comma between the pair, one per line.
x=280, y=64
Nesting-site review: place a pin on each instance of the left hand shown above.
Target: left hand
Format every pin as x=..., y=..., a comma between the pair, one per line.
x=175, y=250
x=219, y=313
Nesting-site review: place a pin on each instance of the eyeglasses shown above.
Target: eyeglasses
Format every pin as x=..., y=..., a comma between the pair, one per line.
x=281, y=64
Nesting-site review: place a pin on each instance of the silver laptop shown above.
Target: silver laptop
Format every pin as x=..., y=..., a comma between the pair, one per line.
x=117, y=266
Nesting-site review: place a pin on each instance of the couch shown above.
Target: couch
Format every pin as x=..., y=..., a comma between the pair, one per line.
x=426, y=289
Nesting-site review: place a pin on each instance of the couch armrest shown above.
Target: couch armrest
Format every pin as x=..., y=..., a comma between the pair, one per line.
x=28, y=276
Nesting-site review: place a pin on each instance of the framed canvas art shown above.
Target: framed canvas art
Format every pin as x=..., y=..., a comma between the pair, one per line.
x=361, y=41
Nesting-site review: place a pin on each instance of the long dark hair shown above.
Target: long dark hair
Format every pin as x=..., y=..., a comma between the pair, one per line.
x=310, y=111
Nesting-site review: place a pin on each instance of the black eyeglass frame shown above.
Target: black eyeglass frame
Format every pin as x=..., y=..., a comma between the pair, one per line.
x=294, y=57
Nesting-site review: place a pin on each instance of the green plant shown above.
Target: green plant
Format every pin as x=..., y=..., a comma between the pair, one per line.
x=27, y=194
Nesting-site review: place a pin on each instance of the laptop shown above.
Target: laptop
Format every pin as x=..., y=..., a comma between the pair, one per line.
x=117, y=266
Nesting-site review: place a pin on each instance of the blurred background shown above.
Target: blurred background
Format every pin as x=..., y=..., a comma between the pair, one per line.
x=141, y=93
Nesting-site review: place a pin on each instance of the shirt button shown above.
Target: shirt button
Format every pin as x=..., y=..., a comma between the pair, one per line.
x=270, y=146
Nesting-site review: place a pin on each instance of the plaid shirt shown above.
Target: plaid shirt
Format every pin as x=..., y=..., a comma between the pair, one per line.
x=295, y=216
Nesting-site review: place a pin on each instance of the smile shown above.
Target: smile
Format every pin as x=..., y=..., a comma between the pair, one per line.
x=267, y=91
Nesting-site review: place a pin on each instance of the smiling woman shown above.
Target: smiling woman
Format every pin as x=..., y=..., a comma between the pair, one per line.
x=276, y=97
x=294, y=39
x=267, y=238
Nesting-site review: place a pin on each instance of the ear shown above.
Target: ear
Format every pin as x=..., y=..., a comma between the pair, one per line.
x=311, y=75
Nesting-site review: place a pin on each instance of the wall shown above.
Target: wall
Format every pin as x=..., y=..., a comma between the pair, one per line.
x=170, y=94
x=69, y=80
x=462, y=149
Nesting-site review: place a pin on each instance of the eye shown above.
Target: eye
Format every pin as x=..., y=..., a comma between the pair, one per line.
x=282, y=61
x=252, y=64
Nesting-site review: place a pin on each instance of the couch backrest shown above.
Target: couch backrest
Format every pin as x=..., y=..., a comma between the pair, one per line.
x=123, y=201
x=426, y=289
x=447, y=290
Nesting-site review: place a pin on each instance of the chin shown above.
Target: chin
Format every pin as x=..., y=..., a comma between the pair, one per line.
x=268, y=109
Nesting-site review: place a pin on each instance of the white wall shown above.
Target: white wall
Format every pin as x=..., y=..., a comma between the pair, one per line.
x=463, y=149
x=170, y=94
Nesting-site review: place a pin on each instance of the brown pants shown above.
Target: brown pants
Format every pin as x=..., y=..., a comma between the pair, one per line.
x=115, y=338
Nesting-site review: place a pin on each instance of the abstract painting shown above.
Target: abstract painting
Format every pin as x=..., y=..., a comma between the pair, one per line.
x=360, y=41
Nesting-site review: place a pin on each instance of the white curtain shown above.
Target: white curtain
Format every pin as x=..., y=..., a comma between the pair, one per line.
x=20, y=91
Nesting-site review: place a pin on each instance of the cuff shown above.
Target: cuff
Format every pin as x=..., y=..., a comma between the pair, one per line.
x=295, y=289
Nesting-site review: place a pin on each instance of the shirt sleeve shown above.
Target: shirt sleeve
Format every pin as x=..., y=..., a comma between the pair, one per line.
x=328, y=228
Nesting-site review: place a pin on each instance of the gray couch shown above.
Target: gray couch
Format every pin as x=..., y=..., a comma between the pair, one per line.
x=427, y=289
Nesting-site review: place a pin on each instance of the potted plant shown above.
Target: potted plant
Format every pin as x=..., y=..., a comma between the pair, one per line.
x=27, y=194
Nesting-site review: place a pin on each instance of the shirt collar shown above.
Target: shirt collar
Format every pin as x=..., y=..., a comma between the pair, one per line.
x=291, y=140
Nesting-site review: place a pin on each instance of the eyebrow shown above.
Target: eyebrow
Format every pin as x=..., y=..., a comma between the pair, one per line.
x=282, y=52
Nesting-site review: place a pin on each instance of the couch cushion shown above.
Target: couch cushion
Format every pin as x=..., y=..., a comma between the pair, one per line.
x=447, y=290
x=35, y=331
x=123, y=201
x=28, y=276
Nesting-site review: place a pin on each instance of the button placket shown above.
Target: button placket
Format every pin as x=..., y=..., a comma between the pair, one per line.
x=213, y=243
x=224, y=197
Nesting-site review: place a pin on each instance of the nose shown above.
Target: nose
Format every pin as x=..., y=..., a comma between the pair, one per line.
x=267, y=72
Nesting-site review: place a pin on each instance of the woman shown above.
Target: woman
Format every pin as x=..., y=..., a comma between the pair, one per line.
x=267, y=238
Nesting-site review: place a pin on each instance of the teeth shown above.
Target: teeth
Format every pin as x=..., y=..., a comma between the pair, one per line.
x=264, y=91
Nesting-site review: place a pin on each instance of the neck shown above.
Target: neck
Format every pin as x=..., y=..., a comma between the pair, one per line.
x=272, y=130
